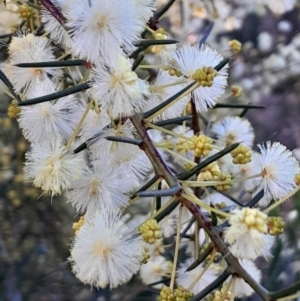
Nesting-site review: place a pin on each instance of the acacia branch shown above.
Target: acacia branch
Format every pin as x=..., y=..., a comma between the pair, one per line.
x=214, y=233
x=55, y=12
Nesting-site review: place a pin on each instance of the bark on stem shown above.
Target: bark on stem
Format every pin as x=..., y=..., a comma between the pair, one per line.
x=55, y=12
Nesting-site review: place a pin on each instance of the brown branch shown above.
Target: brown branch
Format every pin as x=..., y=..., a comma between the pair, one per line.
x=55, y=12
x=214, y=233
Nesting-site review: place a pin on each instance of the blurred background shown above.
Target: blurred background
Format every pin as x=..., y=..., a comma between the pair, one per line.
x=35, y=230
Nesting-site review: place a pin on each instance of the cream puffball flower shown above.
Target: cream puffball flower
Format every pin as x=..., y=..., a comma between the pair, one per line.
x=248, y=170
x=160, y=91
x=187, y=278
x=27, y=49
x=100, y=188
x=247, y=235
x=105, y=251
x=98, y=26
x=51, y=169
x=279, y=168
x=117, y=88
x=241, y=288
x=92, y=123
x=134, y=168
x=190, y=58
x=232, y=129
x=100, y=147
x=145, y=8
x=49, y=120
x=53, y=27
x=155, y=269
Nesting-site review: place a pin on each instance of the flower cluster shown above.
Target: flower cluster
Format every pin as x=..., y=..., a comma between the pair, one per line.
x=129, y=134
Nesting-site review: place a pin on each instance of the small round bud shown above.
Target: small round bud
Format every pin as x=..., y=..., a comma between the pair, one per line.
x=235, y=46
x=166, y=294
x=174, y=72
x=210, y=173
x=236, y=91
x=160, y=34
x=297, y=179
x=146, y=255
x=276, y=225
x=150, y=231
x=25, y=12
x=182, y=146
x=182, y=294
x=13, y=110
x=202, y=145
x=205, y=76
x=241, y=155
x=77, y=225
x=226, y=186
x=220, y=295
x=11, y=194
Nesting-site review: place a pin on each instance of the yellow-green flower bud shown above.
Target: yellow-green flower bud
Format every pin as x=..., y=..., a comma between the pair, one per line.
x=174, y=72
x=210, y=173
x=205, y=76
x=275, y=225
x=146, y=255
x=13, y=110
x=202, y=145
x=150, y=231
x=225, y=186
x=241, y=155
x=25, y=12
x=297, y=179
x=182, y=146
x=235, y=46
x=182, y=294
x=236, y=91
x=160, y=34
x=219, y=295
x=77, y=225
x=166, y=294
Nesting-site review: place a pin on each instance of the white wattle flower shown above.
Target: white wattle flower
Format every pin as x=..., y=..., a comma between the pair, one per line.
x=53, y=27
x=117, y=88
x=100, y=188
x=232, y=129
x=31, y=49
x=241, y=288
x=9, y=18
x=93, y=123
x=135, y=167
x=155, y=269
x=105, y=251
x=248, y=170
x=99, y=147
x=99, y=26
x=279, y=168
x=188, y=59
x=247, y=235
x=186, y=279
x=159, y=94
x=51, y=169
x=134, y=164
x=145, y=8
x=51, y=119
